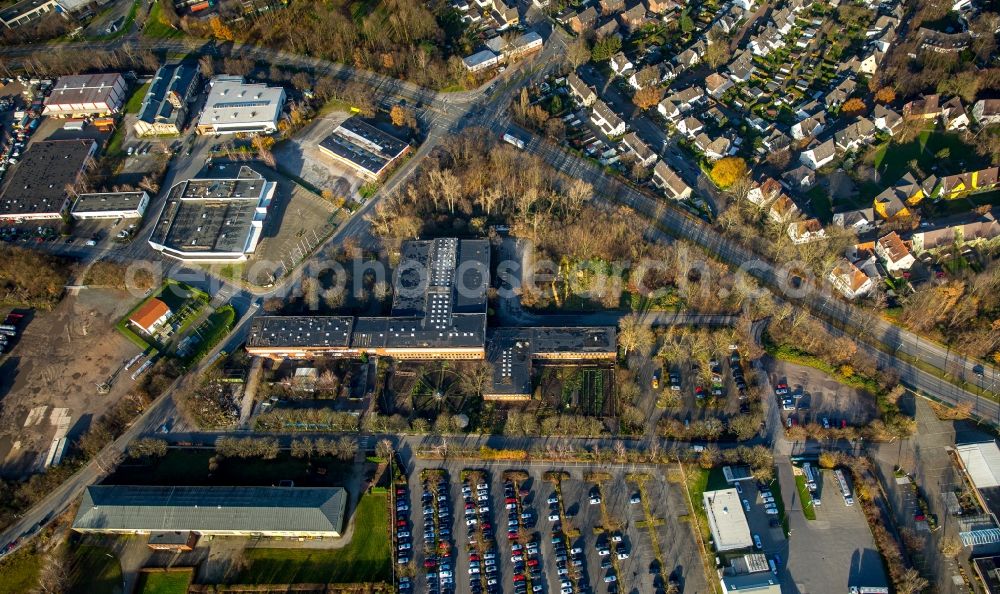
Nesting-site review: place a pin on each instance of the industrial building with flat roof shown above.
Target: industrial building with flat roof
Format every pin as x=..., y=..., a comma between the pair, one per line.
x=26, y=11
x=512, y=351
x=438, y=312
x=218, y=511
x=37, y=187
x=726, y=520
x=83, y=95
x=214, y=220
x=363, y=147
x=110, y=205
x=235, y=106
x=165, y=105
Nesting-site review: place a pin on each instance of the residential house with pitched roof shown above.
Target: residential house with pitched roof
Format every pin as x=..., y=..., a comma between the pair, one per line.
x=850, y=280
x=953, y=114
x=633, y=18
x=620, y=64
x=783, y=209
x=580, y=91
x=608, y=121
x=646, y=77
x=810, y=126
x=950, y=187
x=583, y=21
x=860, y=221
x=887, y=120
x=690, y=126
x=667, y=180
x=639, y=149
x=855, y=135
x=806, y=231
x=716, y=84
x=894, y=252
x=800, y=178
x=895, y=201
x=927, y=107
x=969, y=229
x=818, y=154
x=986, y=111
x=764, y=191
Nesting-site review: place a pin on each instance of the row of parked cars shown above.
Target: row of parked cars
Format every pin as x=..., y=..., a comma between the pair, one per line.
x=437, y=537
x=570, y=562
x=483, y=569
x=525, y=557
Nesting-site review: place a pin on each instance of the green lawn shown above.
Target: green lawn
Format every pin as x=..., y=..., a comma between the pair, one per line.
x=211, y=331
x=700, y=480
x=892, y=160
x=156, y=27
x=190, y=467
x=164, y=582
x=819, y=199
x=94, y=569
x=20, y=572
x=367, y=558
x=808, y=509
x=135, y=100
x=779, y=502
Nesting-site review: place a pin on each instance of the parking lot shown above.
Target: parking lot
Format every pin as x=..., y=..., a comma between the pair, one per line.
x=723, y=397
x=815, y=396
x=569, y=546
x=838, y=538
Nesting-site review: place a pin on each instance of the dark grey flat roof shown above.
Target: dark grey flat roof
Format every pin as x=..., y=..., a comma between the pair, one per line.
x=107, y=201
x=85, y=88
x=300, y=331
x=211, y=509
x=510, y=356
x=210, y=215
x=38, y=181
x=16, y=10
x=465, y=331
x=364, y=145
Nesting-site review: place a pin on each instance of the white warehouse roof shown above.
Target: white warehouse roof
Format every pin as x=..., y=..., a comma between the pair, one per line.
x=234, y=104
x=982, y=462
x=727, y=520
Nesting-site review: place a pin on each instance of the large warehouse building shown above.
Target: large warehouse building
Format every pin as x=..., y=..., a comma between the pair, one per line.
x=37, y=188
x=438, y=312
x=234, y=106
x=86, y=95
x=218, y=511
x=165, y=105
x=214, y=220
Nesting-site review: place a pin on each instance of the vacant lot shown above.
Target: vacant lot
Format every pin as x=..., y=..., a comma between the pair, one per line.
x=366, y=558
x=48, y=384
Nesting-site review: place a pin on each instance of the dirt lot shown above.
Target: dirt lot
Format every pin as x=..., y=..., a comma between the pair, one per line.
x=301, y=157
x=820, y=396
x=49, y=378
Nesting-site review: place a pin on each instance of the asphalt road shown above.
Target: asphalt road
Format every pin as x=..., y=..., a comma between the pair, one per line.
x=452, y=113
x=816, y=298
